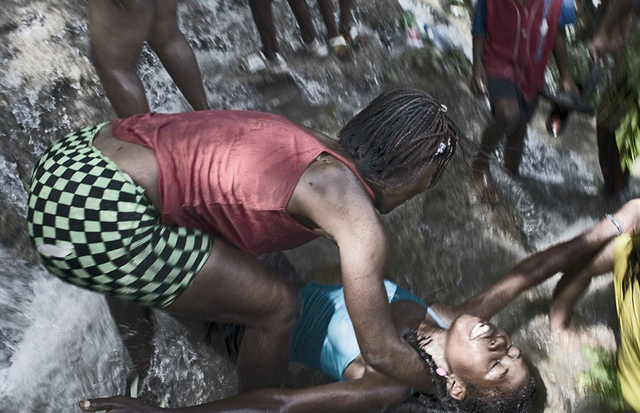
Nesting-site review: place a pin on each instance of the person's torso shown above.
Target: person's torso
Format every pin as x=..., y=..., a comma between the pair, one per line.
x=324, y=337
x=229, y=172
x=519, y=41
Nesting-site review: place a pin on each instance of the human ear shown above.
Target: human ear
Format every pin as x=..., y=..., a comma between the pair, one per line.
x=457, y=389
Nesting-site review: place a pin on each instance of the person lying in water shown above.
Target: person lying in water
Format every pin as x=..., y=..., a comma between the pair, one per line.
x=473, y=364
x=170, y=210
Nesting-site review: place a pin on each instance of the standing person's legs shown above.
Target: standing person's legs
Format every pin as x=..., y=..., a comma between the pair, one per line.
x=117, y=30
x=168, y=42
x=346, y=6
x=263, y=17
x=301, y=13
x=616, y=182
x=326, y=9
x=233, y=287
x=505, y=121
x=515, y=142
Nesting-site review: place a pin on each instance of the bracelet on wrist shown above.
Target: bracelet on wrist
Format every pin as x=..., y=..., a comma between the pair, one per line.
x=615, y=222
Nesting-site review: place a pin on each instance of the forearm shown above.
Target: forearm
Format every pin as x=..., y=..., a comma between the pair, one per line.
x=617, y=12
x=560, y=54
x=540, y=267
x=260, y=401
x=380, y=344
x=478, y=49
x=574, y=283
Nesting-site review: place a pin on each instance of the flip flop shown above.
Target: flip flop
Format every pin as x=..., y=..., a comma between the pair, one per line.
x=339, y=46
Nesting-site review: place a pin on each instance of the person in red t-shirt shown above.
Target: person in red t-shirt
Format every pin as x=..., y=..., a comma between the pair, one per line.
x=170, y=211
x=512, y=41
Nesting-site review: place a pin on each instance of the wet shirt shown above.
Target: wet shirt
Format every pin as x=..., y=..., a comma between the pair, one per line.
x=229, y=172
x=324, y=338
x=626, y=271
x=520, y=38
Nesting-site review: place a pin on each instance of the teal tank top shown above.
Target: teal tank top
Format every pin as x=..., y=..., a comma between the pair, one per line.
x=324, y=338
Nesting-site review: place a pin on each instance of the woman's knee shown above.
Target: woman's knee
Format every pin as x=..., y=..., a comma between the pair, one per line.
x=289, y=306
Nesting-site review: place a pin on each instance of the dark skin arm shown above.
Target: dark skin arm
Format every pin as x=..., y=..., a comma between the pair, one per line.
x=568, y=256
x=479, y=76
x=334, y=200
x=560, y=54
x=372, y=393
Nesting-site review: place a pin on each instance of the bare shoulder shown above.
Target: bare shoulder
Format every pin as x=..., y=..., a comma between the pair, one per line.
x=329, y=186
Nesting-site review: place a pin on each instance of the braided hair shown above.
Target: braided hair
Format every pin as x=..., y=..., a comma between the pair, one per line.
x=398, y=136
x=519, y=401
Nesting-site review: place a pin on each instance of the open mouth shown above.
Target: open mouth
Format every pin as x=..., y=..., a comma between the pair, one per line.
x=480, y=329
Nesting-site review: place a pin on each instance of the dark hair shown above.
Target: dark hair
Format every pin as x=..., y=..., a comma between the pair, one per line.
x=519, y=401
x=398, y=135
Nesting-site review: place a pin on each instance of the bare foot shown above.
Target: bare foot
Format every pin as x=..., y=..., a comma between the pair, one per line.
x=117, y=404
x=484, y=185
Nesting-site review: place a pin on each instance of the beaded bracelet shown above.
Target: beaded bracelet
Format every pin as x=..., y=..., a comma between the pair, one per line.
x=614, y=222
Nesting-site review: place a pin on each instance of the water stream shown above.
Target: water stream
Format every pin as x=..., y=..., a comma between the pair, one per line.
x=58, y=343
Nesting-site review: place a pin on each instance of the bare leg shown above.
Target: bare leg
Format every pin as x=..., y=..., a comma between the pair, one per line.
x=263, y=17
x=326, y=9
x=168, y=42
x=346, y=6
x=301, y=13
x=506, y=121
x=234, y=287
x=117, y=31
x=515, y=142
x=135, y=325
x=574, y=283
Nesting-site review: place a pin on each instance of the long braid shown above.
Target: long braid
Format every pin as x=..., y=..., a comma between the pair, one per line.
x=398, y=135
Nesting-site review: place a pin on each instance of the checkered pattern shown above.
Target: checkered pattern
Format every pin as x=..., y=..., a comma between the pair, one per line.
x=81, y=203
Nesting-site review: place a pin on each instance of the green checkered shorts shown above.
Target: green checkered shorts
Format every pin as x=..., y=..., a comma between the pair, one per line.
x=93, y=227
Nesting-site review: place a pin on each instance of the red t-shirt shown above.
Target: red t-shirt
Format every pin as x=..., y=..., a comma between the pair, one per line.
x=519, y=40
x=229, y=172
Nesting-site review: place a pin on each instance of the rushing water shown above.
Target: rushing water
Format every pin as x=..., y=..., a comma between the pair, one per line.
x=58, y=343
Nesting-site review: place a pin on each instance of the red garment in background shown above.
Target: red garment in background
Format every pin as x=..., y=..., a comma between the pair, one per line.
x=229, y=172
x=519, y=40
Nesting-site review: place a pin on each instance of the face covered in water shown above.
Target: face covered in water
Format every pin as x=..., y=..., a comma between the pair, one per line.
x=481, y=353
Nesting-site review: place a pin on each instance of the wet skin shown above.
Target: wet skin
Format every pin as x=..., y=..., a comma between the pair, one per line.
x=234, y=287
x=366, y=389
x=484, y=354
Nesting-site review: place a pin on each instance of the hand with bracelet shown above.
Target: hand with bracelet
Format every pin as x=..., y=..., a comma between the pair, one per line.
x=576, y=279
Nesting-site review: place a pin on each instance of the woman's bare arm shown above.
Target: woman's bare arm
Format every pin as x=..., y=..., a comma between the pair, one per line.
x=568, y=256
x=372, y=393
x=333, y=198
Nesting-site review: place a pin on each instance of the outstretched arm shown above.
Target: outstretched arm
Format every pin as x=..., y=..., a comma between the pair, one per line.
x=372, y=393
x=567, y=256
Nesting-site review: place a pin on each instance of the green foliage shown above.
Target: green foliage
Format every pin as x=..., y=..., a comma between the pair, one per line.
x=602, y=377
x=627, y=133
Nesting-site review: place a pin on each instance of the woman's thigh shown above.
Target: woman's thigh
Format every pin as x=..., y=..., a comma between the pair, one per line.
x=234, y=287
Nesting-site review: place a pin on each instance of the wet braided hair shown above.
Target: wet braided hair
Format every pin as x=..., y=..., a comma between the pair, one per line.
x=398, y=136
x=519, y=401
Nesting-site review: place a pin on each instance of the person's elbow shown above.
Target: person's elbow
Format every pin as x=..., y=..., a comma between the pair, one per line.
x=378, y=355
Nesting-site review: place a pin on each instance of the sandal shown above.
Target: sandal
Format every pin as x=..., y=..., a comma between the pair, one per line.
x=316, y=48
x=339, y=46
x=258, y=62
x=353, y=39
